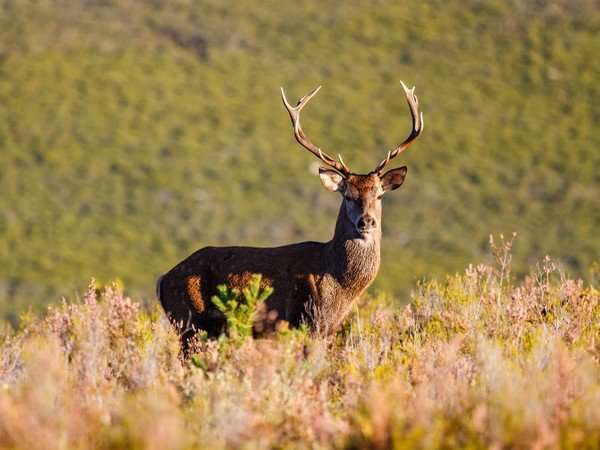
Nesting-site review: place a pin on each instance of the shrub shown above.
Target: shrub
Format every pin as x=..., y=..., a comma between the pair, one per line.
x=241, y=309
x=477, y=360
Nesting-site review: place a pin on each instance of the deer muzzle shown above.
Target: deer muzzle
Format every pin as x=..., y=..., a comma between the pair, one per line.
x=366, y=224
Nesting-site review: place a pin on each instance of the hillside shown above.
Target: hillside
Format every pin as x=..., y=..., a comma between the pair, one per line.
x=133, y=133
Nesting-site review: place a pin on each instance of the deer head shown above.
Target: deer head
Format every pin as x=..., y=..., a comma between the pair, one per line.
x=361, y=193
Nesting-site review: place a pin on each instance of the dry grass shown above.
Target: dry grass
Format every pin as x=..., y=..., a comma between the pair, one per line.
x=473, y=362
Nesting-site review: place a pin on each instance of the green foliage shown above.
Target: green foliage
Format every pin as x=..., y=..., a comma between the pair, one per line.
x=241, y=309
x=133, y=133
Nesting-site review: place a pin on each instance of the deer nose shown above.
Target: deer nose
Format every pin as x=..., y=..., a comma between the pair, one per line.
x=366, y=223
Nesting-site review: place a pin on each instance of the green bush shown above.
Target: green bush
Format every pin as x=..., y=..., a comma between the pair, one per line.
x=241, y=309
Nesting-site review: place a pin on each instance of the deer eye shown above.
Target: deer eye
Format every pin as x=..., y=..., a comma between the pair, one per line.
x=380, y=196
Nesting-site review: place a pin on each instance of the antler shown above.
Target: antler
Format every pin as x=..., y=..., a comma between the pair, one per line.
x=417, y=127
x=294, y=112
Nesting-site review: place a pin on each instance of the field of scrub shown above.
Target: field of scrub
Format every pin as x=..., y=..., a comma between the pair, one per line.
x=476, y=361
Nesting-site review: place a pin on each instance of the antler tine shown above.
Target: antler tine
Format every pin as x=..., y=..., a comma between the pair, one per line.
x=294, y=112
x=417, y=127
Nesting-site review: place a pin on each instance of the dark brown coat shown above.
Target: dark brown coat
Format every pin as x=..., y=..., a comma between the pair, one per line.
x=313, y=282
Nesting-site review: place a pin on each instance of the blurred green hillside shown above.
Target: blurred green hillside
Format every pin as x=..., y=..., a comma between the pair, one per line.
x=133, y=133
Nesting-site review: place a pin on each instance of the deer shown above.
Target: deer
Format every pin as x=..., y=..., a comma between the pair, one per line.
x=314, y=283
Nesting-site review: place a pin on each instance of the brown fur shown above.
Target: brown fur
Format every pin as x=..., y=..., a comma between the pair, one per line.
x=194, y=292
x=313, y=282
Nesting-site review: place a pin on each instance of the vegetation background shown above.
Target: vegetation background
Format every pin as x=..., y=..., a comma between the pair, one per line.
x=133, y=133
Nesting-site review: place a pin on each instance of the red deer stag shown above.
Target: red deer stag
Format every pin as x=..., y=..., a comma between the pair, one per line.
x=313, y=282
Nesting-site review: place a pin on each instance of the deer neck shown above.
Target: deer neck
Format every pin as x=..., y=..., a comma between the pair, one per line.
x=354, y=259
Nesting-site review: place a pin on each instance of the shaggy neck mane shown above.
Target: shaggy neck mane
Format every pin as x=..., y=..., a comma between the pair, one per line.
x=357, y=258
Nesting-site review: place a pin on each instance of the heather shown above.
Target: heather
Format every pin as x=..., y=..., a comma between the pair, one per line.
x=477, y=359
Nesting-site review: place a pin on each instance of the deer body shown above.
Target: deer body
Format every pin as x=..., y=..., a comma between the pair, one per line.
x=313, y=282
x=325, y=276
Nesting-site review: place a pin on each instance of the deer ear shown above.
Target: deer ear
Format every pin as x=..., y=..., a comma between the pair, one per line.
x=331, y=179
x=393, y=179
